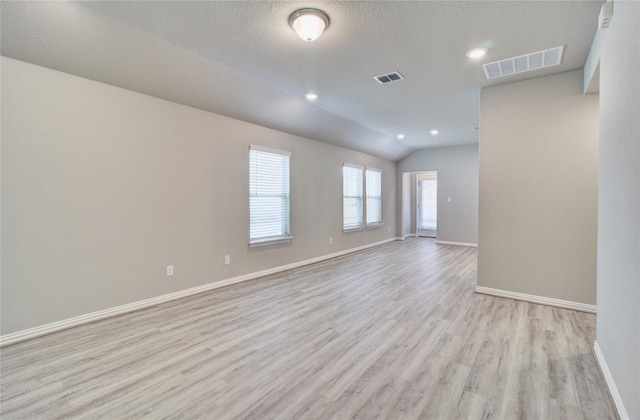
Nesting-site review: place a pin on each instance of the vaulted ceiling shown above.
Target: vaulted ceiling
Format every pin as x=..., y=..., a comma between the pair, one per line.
x=241, y=59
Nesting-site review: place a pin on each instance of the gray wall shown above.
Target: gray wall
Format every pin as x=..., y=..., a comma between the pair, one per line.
x=102, y=188
x=618, y=332
x=538, y=188
x=457, y=168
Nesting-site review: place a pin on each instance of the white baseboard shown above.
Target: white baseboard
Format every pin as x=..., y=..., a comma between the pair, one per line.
x=410, y=235
x=558, y=303
x=457, y=243
x=39, y=331
x=608, y=378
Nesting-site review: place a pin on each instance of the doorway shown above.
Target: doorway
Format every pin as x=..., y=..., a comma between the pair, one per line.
x=427, y=204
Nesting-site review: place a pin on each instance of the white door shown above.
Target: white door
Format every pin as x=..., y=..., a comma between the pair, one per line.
x=427, y=199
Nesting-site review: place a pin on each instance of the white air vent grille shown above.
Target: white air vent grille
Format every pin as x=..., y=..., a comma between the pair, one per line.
x=522, y=63
x=389, y=77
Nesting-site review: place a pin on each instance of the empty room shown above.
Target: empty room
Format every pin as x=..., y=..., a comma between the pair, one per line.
x=320, y=210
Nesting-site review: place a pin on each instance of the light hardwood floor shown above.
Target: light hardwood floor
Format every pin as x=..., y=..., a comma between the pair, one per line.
x=392, y=332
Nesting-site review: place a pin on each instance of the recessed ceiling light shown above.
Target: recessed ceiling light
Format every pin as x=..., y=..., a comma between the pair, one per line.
x=400, y=136
x=311, y=96
x=434, y=132
x=476, y=52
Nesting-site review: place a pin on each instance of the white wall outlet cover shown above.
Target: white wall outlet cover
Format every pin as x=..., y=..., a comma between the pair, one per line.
x=169, y=270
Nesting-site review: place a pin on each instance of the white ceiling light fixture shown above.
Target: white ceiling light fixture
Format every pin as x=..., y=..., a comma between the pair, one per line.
x=476, y=52
x=311, y=96
x=309, y=23
x=434, y=132
x=400, y=136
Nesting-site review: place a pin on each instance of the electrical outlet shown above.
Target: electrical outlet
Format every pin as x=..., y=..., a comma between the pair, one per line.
x=169, y=270
x=330, y=241
x=227, y=259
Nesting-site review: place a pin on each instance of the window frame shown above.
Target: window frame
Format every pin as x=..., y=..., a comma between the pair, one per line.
x=361, y=197
x=286, y=234
x=378, y=222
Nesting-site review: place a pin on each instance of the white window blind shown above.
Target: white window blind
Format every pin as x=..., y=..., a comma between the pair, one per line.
x=374, y=196
x=352, y=197
x=268, y=195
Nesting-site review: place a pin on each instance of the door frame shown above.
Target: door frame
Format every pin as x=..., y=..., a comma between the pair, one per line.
x=428, y=175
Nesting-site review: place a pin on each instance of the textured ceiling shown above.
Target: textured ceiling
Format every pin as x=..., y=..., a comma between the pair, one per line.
x=241, y=59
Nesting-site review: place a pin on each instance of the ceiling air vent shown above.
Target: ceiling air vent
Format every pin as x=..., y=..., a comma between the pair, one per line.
x=389, y=77
x=522, y=63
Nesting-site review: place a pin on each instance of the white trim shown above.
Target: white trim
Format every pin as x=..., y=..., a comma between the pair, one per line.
x=362, y=215
x=353, y=229
x=558, y=303
x=457, y=243
x=421, y=176
x=374, y=226
x=424, y=176
x=377, y=223
x=270, y=241
x=411, y=235
x=269, y=150
x=354, y=165
x=39, y=331
x=611, y=384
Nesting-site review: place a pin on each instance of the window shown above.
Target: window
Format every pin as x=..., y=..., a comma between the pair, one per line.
x=268, y=195
x=352, y=197
x=358, y=213
x=374, y=197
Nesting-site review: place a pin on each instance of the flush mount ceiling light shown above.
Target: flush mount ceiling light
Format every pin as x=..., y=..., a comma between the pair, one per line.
x=309, y=23
x=476, y=52
x=434, y=132
x=400, y=136
x=311, y=96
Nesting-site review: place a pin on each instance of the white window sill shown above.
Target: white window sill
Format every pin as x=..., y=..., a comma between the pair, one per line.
x=375, y=226
x=270, y=241
x=353, y=229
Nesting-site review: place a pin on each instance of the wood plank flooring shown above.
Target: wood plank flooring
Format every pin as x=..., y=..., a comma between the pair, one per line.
x=392, y=332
